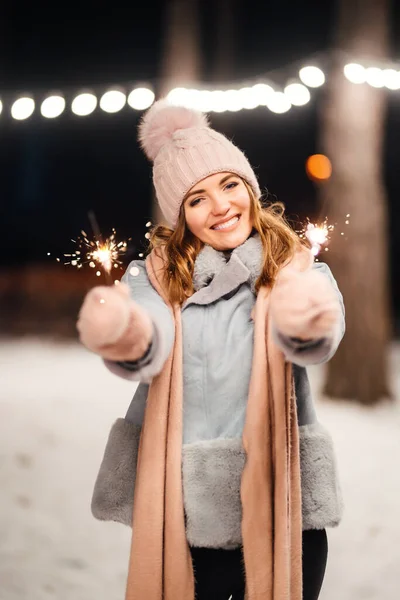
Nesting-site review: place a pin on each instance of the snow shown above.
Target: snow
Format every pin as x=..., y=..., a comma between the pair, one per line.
x=57, y=404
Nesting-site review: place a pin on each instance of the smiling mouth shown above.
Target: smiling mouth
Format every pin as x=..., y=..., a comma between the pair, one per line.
x=227, y=224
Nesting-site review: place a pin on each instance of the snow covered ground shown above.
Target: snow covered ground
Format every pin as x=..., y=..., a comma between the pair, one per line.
x=57, y=404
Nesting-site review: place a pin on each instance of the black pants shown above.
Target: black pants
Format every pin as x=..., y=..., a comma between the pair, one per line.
x=219, y=574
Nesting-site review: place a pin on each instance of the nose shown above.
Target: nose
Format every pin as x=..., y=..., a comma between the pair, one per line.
x=220, y=204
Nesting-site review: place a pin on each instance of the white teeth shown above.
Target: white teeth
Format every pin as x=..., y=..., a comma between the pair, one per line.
x=227, y=224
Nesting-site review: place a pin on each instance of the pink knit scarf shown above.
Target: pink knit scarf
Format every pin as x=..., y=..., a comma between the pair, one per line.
x=160, y=566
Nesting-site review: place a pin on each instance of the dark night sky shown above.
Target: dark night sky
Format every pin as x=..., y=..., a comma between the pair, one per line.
x=52, y=172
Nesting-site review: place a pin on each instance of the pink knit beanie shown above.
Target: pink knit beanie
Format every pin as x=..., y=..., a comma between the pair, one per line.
x=185, y=150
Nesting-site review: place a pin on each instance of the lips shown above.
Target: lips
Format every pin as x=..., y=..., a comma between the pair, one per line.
x=219, y=225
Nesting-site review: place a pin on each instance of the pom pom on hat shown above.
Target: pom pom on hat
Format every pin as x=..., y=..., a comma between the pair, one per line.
x=160, y=123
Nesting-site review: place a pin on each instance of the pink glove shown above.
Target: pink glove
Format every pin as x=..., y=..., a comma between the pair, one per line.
x=111, y=324
x=304, y=304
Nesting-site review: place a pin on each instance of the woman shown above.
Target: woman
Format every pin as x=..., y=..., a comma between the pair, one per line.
x=234, y=480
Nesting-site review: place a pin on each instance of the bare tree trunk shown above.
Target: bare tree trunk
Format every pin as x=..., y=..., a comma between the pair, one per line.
x=352, y=131
x=181, y=57
x=223, y=61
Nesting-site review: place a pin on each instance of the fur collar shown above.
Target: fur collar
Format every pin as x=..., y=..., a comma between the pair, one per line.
x=210, y=262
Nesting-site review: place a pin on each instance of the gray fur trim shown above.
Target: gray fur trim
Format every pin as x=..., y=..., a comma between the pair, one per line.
x=228, y=280
x=322, y=503
x=113, y=491
x=137, y=407
x=212, y=472
x=251, y=255
x=209, y=262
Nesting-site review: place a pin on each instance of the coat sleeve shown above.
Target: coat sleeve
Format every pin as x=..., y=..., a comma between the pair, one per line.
x=144, y=294
x=312, y=352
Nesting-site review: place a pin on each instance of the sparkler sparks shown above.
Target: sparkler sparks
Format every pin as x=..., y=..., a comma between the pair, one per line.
x=319, y=235
x=96, y=253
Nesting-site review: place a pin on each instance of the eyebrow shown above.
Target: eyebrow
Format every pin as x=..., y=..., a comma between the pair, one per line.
x=195, y=192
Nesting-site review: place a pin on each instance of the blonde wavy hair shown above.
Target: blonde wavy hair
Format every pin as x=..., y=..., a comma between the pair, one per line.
x=279, y=243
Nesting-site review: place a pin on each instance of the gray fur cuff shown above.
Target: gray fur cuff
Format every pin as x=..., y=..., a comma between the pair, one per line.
x=322, y=503
x=212, y=472
x=310, y=352
x=113, y=491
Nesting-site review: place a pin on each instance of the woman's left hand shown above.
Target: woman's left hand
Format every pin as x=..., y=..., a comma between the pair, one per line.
x=304, y=304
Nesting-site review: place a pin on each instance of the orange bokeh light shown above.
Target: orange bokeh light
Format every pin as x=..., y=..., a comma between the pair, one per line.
x=318, y=167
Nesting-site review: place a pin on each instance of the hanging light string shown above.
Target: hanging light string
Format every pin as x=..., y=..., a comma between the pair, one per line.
x=277, y=90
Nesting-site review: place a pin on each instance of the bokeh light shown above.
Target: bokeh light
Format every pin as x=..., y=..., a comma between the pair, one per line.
x=22, y=108
x=312, y=76
x=233, y=100
x=279, y=103
x=203, y=100
x=218, y=101
x=178, y=96
x=84, y=104
x=225, y=100
x=141, y=98
x=374, y=76
x=262, y=93
x=248, y=98
x=318, y=167
x=355, y=73
x=297, y=94
x=391, y=79
x=113, y=101
x=52, y=107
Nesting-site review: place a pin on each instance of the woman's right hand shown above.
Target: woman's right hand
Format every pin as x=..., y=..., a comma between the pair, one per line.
x=111, y=324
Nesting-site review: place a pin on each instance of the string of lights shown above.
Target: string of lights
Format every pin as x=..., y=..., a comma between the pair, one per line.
x=263, y=93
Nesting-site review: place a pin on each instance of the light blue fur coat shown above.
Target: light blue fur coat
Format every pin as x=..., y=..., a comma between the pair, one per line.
x=217, y=359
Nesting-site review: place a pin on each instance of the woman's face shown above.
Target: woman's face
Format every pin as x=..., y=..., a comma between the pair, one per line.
x=217, y=211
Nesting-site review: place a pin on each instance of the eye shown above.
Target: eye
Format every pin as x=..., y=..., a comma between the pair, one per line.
x=231, y=185
x=194, y=202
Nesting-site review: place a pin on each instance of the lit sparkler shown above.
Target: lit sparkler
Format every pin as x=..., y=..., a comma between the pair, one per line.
x=317, y=234
x=96, y=253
